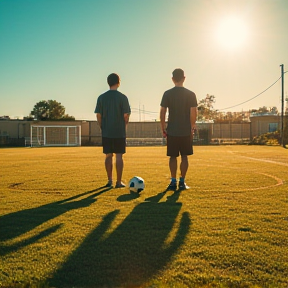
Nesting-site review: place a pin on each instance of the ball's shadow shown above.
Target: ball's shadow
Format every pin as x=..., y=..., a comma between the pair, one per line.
x=128, y=197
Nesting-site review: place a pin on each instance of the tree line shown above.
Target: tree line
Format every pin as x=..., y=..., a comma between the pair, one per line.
x=206, y=112
x=53, y=110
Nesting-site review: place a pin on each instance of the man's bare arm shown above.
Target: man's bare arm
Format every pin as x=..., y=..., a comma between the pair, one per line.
x=193, y=117
x=99, y=119
x=163, y=111
x=126, y=118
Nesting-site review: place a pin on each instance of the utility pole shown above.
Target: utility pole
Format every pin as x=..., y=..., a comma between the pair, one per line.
x=282, y=105
x=139, y=113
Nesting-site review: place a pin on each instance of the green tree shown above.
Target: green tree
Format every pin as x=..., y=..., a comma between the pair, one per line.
x=266, y=110
x=205, y=108
x=50, y=110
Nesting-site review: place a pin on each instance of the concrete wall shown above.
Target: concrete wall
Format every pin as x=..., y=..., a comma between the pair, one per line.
x=15, y=128
x=19, y=129
x=14, y=132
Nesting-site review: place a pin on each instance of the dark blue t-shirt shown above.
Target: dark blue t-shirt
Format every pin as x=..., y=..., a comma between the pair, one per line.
x=112, y=105
x=179, y=100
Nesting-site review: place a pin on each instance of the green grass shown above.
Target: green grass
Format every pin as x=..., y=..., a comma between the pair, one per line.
x=59, y=228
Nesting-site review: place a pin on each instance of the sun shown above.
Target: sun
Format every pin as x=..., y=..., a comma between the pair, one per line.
x=231, y=33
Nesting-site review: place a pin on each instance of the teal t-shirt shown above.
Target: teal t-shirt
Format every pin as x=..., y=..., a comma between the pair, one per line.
x=112, y=105
x=179, y=100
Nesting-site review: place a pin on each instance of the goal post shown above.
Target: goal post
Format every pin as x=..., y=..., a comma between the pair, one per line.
x=55, y=135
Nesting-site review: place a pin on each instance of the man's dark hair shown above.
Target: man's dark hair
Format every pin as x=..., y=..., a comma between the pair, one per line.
x=178, y=74
x=113, y=79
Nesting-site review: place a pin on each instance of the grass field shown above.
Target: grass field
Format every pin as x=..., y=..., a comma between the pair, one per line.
x=60, y=228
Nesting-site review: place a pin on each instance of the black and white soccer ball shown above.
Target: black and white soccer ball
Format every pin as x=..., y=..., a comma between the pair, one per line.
x=136, y=184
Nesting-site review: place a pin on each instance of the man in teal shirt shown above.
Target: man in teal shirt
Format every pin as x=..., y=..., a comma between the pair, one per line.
x=112, y=112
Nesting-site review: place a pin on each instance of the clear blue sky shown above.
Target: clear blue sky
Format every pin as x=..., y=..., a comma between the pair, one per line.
x=64, y=50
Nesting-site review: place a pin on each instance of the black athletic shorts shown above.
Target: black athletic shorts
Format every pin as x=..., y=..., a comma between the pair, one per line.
x=114, y=145
x=179, y=144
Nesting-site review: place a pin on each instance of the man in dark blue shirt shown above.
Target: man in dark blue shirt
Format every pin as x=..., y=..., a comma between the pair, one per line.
x=182, y=107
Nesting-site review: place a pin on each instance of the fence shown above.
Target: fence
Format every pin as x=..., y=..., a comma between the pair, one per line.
x=140, y=133
x=231, y=133
x=149, y=133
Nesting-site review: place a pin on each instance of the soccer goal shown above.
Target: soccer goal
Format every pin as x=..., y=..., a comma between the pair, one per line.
x=42, y=135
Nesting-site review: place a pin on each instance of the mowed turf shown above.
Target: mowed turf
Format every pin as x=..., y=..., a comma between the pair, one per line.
x=60, y=228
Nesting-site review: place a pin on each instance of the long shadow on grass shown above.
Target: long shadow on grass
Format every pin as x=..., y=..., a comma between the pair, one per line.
x=15, y=224
x=131, y=254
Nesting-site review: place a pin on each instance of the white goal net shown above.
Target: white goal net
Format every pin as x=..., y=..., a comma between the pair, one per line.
x=41, y=135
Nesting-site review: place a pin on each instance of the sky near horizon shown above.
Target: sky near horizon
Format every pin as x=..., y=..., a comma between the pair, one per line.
x=64, y=50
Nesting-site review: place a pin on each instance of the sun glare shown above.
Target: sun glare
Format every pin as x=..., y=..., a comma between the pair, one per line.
x=232, y=33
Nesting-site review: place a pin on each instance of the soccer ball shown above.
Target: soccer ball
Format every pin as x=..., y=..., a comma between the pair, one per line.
x=136, y=184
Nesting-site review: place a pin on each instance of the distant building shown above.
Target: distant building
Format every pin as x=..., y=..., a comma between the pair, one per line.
x=4, y=118
x=264, y=123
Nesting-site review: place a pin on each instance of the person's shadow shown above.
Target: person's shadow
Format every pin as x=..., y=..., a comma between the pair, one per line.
x=130, y=255
x=15, y=224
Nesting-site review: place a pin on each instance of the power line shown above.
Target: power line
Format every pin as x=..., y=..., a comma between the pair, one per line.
x=252, y=97
x=144, y=111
